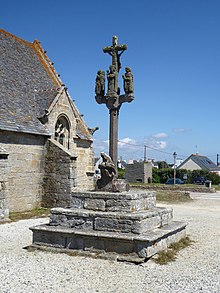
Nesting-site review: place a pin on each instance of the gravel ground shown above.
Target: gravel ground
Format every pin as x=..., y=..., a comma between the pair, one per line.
x=197, y=268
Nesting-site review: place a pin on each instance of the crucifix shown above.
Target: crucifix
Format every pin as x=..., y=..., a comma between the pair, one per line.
x=112, y=98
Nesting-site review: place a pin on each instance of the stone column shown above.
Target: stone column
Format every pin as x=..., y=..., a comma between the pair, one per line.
x=113, y=135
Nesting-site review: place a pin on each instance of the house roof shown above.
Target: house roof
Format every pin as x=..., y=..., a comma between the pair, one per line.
x=29, y=84
x=202, y=161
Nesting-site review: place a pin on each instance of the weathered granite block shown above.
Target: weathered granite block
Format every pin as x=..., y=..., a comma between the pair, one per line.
x=149, y=248
x=107, y=201
x=77, y=203
x=77, y=222
x=94, y=243
x=166, y=218
x=146, y=225
x=127, y=224
x=75, y=243
x=119, y=205
x=119, y=246
x=114, y=225
x=51, y=239
x=94, y=204
x=136, y=222
x=144, y=245
x=149, y=202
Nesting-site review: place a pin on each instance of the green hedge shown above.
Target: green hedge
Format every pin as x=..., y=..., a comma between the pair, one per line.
x=161, y=175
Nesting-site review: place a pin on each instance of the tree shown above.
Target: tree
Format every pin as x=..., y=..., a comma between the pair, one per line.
x=163, y=165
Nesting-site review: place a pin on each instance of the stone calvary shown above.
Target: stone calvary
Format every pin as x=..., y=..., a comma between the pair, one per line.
x=110, y=222
x=113, y=101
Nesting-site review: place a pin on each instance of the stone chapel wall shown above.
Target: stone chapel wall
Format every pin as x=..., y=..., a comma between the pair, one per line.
x=25, y=169
x=4, y=211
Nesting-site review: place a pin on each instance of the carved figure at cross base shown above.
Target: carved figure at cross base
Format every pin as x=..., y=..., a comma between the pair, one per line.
x=112, y=99
x=108, y=171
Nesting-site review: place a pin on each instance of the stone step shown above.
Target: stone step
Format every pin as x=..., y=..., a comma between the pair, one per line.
x=136, y=222
x=110, y=201
x=144, y=245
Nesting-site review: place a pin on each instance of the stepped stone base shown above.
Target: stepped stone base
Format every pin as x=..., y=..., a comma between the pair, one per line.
x=126, y=226
x=136, y=222
x=143, y=246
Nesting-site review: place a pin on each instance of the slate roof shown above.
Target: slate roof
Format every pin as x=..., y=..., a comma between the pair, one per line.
x=203, y=162
x=28, y=85
x=25, y=85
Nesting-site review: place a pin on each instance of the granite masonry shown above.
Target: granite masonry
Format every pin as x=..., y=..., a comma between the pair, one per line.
x=123, y=226
x=139, y=172
x=48, y=144
x=4, y=211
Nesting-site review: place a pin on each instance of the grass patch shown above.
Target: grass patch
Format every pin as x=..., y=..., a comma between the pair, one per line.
x=216, y=187
x=33, y=214
x=164, y=257
x=176, y=187
x=173, y=196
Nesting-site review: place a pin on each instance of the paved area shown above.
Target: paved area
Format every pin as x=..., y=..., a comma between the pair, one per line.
x=205, y=195
x=197, y=268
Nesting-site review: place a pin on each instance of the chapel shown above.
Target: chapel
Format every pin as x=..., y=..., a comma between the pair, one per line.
x=46, y=147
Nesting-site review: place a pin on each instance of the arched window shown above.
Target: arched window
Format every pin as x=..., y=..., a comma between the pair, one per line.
x=62, y=131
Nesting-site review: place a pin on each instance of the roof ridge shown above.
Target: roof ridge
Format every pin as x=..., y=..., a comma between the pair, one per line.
x=16, y=38
x=45, y=61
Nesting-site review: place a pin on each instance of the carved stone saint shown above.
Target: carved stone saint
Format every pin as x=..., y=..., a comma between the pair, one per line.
x=100, y=83
x=111, y=76
x=128, y=81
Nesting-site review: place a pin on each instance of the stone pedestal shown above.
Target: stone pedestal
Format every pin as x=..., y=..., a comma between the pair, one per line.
x=115, y=185
x=123, y=226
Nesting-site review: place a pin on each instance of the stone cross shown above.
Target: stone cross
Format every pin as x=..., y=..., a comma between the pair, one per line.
x=113, y=99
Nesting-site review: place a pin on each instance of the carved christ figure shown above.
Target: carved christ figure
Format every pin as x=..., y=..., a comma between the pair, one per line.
x=115, y=51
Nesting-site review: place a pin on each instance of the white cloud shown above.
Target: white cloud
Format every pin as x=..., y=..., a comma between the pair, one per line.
x=126, y=142
x=160, y=135
x=129, y=148
x=100, y=146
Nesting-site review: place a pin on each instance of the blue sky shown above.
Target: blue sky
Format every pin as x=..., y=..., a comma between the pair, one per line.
x=174, y=53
